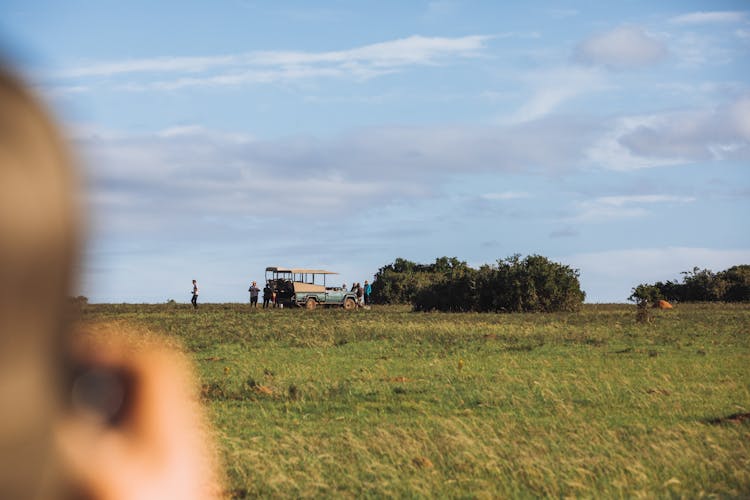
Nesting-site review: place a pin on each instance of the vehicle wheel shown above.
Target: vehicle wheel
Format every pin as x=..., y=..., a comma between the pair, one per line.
x=311, y=304
x=349, y=304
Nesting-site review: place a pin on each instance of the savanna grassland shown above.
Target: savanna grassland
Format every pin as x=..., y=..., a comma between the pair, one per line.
x=386, y=402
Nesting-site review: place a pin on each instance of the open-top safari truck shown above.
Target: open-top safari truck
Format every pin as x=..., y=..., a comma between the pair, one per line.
x=307, y=288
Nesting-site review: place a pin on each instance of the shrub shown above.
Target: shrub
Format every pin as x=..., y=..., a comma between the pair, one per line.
x=454, y=291
x=646, y=294
x=79, y=301
x=512, y=285
x=533, y=284
x=700, y=285
x=399, y=282
x=737, y=283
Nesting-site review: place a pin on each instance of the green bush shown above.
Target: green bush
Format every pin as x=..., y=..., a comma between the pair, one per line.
x=737, y=280
x=646, y=294
x=700, y=285
x=399, y=282
x=533, y=284
x=455, y=291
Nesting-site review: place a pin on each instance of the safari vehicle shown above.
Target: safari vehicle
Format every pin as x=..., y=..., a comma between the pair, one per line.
x=307, y=288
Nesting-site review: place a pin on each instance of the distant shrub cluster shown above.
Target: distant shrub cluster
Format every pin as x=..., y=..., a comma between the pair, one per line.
x=80, y=300
x=532, y=284
x=399, y=282
x=699, y=285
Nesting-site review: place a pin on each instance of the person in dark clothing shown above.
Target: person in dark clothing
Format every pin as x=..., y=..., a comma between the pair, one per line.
x=360, y=294
x=254, y=290
x=194, y=300
x=267, y=292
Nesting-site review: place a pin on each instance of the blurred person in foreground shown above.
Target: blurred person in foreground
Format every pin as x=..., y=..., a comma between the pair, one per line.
x=103, y=413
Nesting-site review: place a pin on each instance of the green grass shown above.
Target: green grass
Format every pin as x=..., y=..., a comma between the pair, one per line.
x=386, y=402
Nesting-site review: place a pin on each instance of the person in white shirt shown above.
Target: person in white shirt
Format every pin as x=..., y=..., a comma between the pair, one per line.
x=254, y=291
x=194, y=300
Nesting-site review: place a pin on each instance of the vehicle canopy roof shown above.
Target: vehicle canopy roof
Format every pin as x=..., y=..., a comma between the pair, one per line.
x=298, y=271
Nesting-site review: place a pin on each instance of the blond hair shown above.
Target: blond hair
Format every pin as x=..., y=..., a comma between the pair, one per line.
x=38, y=250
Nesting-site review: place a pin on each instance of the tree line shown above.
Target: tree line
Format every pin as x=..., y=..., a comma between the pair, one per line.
x=513, y=284
x=699, y=285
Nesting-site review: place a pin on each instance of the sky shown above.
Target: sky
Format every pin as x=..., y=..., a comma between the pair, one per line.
x=219, y=138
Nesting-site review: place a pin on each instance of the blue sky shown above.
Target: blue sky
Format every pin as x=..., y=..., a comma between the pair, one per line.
x=218, y=138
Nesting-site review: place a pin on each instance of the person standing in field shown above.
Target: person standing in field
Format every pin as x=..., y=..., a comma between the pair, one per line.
x=368, y=291
x=267, y=292
x=254, y=290
x=360, y=295
x=194, y=300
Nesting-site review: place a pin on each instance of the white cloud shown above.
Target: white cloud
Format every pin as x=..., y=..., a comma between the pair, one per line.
x=622, y=48
x=62, y=91
x=619, y=201
x=606, y=208
x=505, y=195
x=203, y=133
x=151, y=65
x=706, y=91
x=272, y=66
x=253, y=78
x=676, y=137
x=609, y=276
x=694, y=49
x=609, y=153
x=709, y=17
x=692, y=135
x=190, y=169
x=404, y=51
x=740, y=117
x=553, y=88
x=181, y=131
x=417, y=50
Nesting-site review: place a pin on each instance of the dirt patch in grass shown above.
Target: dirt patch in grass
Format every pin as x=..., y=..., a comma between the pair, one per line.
x=734, y=418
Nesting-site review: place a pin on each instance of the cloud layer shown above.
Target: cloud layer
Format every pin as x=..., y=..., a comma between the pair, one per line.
x=362, y=63
x=709, y=17
x=622, y=48
x=229, y=173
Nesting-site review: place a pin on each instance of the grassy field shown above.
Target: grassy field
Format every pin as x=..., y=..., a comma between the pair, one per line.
x=386, y=402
